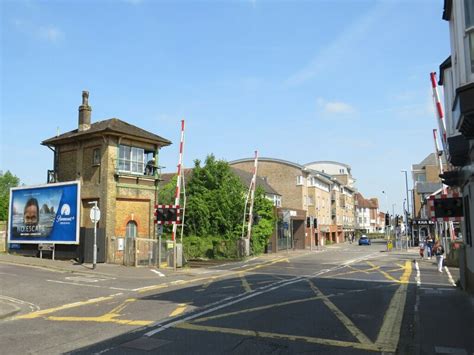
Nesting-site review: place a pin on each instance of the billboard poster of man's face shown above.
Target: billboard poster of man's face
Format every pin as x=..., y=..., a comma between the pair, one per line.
x=44, y=214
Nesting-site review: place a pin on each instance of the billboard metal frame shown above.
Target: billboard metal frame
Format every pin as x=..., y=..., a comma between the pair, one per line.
x=43, y=241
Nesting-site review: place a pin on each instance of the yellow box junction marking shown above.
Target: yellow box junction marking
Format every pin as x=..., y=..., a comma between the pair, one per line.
x=360, y=336
x=258, y=334
x=109, y=317
x=387, y=276
x=181, y=308
x=38, y=314
x=392, y=322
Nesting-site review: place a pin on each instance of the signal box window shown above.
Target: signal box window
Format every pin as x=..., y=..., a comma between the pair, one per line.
x=131, y=159
x=96, y=156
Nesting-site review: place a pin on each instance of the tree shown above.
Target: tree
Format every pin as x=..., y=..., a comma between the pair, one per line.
x=7, y=181
x=263, y=228
x=216, y=200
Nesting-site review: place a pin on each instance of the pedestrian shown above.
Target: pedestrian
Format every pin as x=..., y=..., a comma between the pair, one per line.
x=438, y=250
x=422, y=249
x=429, y=246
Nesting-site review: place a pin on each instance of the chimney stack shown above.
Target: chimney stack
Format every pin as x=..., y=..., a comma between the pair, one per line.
x=85, y=112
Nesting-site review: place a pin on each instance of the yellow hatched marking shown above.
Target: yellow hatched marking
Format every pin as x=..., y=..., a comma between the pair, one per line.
x=245, y=284
x=261, y=308
x=181, y=308
x=110, y=317
x=247, y=333
x=387, y=276
x=390, y=331
x=341, y=316
x=38, y=314
x=355, y=271
x=101, y=319
x=397, y=269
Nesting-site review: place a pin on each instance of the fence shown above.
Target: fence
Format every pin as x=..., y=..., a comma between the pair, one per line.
x=146, y=252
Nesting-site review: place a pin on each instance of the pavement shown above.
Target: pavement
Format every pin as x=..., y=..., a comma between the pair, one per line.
x=345, y=299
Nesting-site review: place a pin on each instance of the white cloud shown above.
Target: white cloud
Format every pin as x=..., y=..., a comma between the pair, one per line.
x=348, y=41
x=334, y=107
x=51, y=33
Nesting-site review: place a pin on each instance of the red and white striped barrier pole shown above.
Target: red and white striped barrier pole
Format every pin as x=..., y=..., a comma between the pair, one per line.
x=252, y=195
x=439, y=109
x=177, y=193
x=178, y=180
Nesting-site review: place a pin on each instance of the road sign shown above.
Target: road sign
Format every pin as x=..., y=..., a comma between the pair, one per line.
x=95, y=214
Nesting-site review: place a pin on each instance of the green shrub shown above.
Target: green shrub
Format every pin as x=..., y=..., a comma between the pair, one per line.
x=209, y=247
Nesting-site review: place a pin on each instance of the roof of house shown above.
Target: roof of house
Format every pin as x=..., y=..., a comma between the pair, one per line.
x=272, y=160
x=244, y=176
x=429, y=160
x=366, y=203
x=110, y=126
x=324, y=177
x=328, y=162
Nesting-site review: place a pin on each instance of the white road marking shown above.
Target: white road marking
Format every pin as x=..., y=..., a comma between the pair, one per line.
x=244, y=296
x=32, y=306
x=451, y=281
x=417, y=277
x=160, y=274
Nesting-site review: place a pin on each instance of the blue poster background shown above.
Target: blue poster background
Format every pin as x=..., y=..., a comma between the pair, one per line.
x=45, y=214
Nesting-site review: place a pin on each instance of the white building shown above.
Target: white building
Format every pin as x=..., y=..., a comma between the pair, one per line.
x=457, y=78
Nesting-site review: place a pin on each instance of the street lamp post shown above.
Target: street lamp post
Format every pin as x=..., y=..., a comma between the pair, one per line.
x=407, y=211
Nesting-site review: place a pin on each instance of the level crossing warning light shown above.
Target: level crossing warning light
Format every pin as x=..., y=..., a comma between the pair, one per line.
x=167, y=214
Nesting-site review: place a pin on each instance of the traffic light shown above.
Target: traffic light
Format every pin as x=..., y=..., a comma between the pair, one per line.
x=451, y=178
x=159, y=214
x=387, y=219
x=308, y=222
x=315, y=222
x=396, y=220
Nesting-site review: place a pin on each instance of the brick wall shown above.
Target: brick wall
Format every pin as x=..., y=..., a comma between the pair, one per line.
x=282, y=178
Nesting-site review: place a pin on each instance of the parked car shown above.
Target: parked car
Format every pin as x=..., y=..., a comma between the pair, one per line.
x=363, y=240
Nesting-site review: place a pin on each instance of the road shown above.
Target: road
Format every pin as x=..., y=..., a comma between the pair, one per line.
x=347, y=299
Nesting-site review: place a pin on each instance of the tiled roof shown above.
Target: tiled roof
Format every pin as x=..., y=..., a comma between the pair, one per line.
x=113, y=125
x=366, y=203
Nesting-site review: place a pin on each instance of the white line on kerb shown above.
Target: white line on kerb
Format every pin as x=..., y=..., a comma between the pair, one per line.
x=450, y=277
x=418, y=277
x=158, y=273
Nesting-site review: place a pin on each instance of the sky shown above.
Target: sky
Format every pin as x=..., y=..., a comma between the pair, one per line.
x=341, y=80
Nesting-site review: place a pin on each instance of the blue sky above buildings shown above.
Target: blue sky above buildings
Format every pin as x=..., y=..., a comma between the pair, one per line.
x=302, y=81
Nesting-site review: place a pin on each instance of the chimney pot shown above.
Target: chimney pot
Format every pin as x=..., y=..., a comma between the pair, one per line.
x=85, y=113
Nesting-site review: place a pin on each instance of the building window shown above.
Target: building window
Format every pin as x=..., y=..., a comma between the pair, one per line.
x=299, y=180
x=469, y=26
x=131, y=231
x=96, y=156
x=131, y=159
x=421, y=177
x=310, y=201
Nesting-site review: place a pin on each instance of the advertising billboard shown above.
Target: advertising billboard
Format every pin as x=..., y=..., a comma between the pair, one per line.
x=44, y=214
